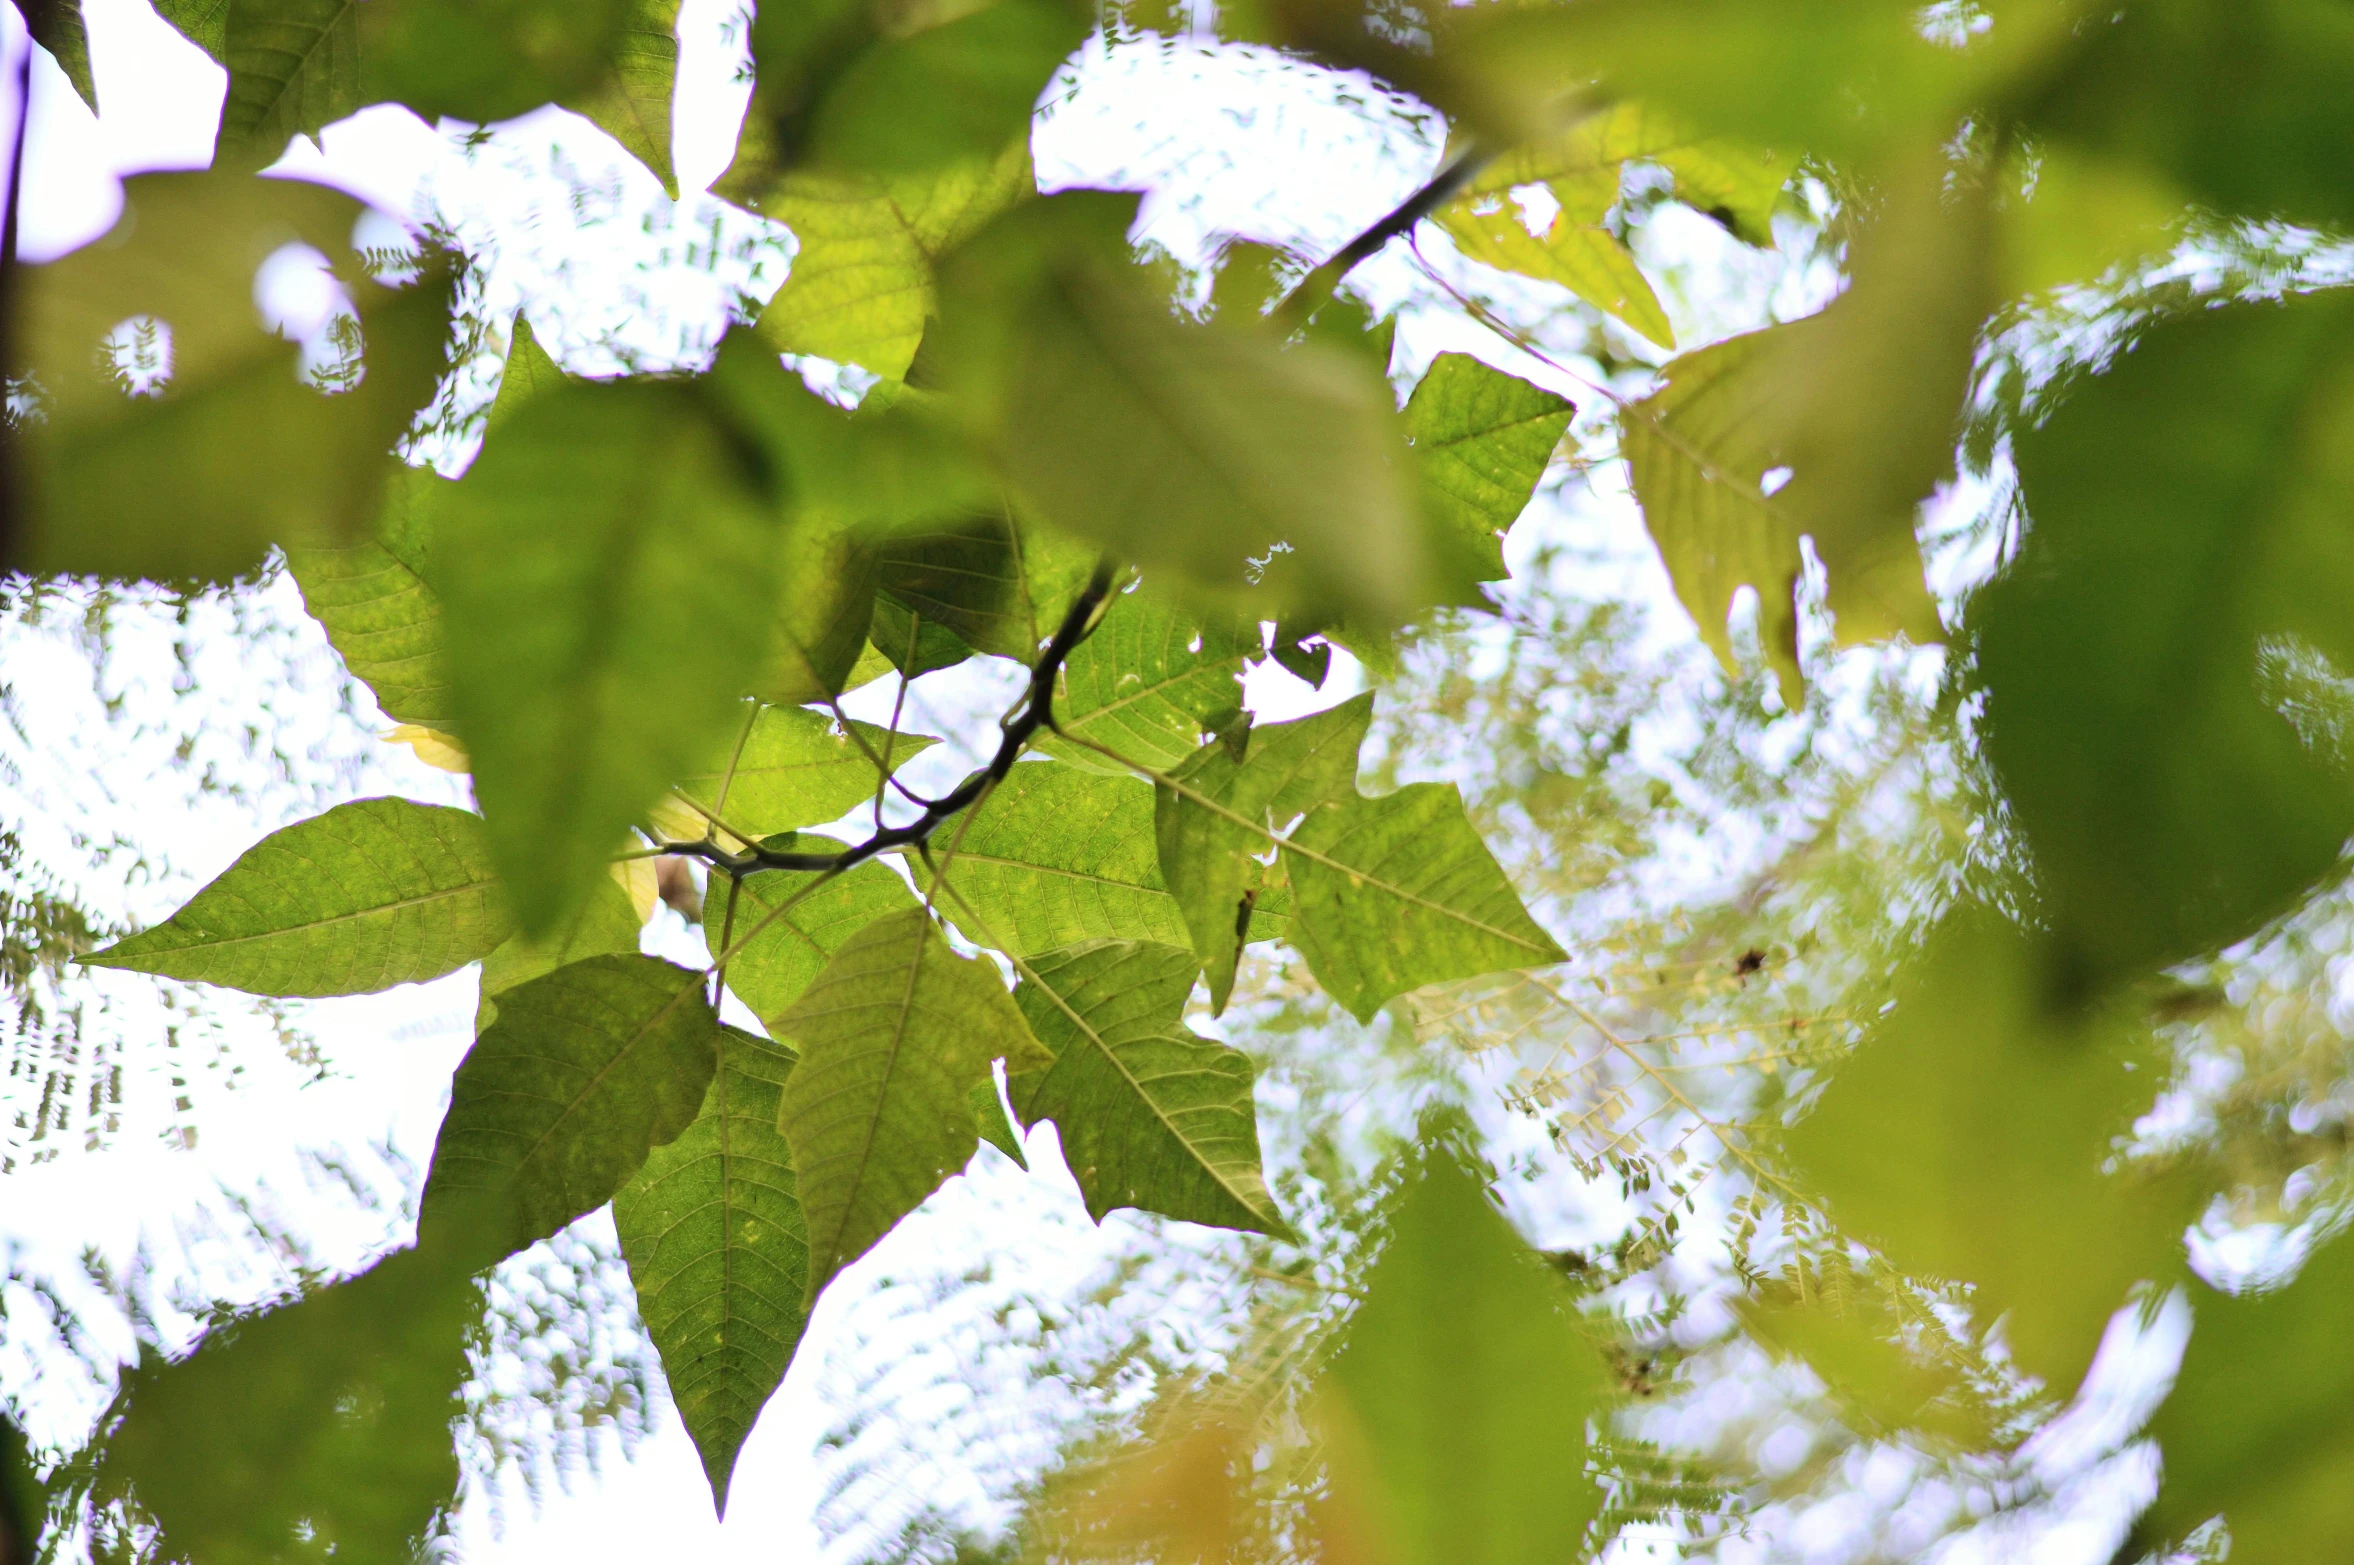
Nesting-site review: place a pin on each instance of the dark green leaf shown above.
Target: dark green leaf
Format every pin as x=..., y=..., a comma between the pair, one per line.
x=946, y=93
x=371, y=894
x=56, y=25
x=893, y=1035
x=1398, y=892
x=713, y=1232
x=583, y=1073
x=996, y=1129
x=1152, y=1115
x=996, y=586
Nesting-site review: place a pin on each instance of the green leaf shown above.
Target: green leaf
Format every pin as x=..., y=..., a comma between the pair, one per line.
x=1152, y=1115
x=204, y=23
x=56, y=25
x=1056, y=856
x=785, y=951
x=893, y=1035
x=1398, y=892
x=316, y=1430
x=1485, y=439
x=1463, y=1390
x=1195, y=449
x=632, y=105
x=948, y=92
x=1585, y=258
x=913, y=645
x=380, y=616
x=2255, y=1427
x=606, y=570
x=530, y=373
x=1148, y=681
x=370, y=894
x=603, y=924
x=583, y=1073
x=712, y=1229
x=862, y=282
x=2160, y=660
x=1211, y=861
x=825, y=607
x=1737, y=184
x=1967, y=1137
x=996, y=586
x=785, y=768
x=234, y=452
x=996, y=1129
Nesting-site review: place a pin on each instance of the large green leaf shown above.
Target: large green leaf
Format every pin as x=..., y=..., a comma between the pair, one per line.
x=2255, y=1428
x=1057, y=856
x=1397, y=892
x=1152, y=1115
x=993, y=584
x=785, y=768
x=784, y=951
x=1149, y=681
x=379, y=614
x=57, y=26
x=605, y=923
x=296, y=66
x=233, y=452
x=893, y=1036
x=1968, y=1138
x=713, y=1232
x=1211, y=859
x=1485, y=439
x=315, y=1431
x=1192, y=448
x=2160, y=660
x=370, y=894
x=1463, y=1391
x=582, y=1074
x=862, y=282
x=606, y=570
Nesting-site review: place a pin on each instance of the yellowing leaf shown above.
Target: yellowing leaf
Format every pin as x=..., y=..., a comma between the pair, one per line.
x=893, y=1036
x=1152, y=1115
x=371, y=894
x=430, y=745
x=1582, y=257
x=640, y=883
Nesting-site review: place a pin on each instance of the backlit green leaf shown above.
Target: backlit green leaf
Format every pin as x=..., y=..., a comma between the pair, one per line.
x=1735, y=183
x=785, y=951
x=632, y=104
x=995, y=585
x=1147, y=682
x=583, y=1073
x=1485, y=439
x=603, y=924
x=1152, y=1115
x=784, y=768
x=371, y=894
x=1210, y=861
x=1398, y=892
x=379, y=614
x=719, y=1253
x=606, y=572
x=1463, y=1393
x=893, y=1036
x=56, y=25
x=1585, y=258
x=995, y=1128
x=949, y=92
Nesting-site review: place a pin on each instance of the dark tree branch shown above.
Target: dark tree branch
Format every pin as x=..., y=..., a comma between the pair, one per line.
x=1020, y=726
x=1312, y=290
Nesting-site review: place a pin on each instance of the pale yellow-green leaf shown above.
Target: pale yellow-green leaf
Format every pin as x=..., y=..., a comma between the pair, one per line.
x=1585, y=258
x=785, y=767
x=1147, y=682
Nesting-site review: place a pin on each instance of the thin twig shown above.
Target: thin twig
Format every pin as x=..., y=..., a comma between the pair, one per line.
x=1310, y=292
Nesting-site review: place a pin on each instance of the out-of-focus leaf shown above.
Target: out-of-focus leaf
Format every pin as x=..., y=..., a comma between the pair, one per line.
x=57, y=26
x=1967, y=1138
x=862, y=283
x=1152, y=1115
x=370, y=894
x=582, y=1074
x=604, y=924
x=2255, y=1428
x=1585, y=258
x=632, y=103
x=1148, y=681
x=719, y=1253
x=912, y=644
x=1851, y=1341
x=1485, y=439
x=1458, y=1406
x=1210, y=862
x=995, y=585
x=606, y=568
x=318, y=1430
x=784, y=768
x=1056, y=856
x=197, y=477
x=1398, y=892
x=2160, y=658
x=785, y=951
x=1736, y=184
x=1192, y=448
x=893, y=1035
x=796, y=50
x=825, y=607
x=946, y=93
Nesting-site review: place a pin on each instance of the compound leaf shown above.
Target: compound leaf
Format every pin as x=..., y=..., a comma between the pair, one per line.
x=370, y=894
x=582, y=1074
x=718, y=1250
x=1152, y=1115
x=893, y=1036
x=1397, y=892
